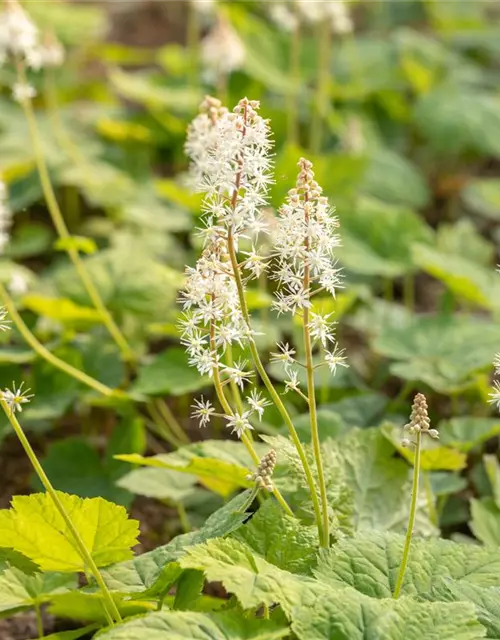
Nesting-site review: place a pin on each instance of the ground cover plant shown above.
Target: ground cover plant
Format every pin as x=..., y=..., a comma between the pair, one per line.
x=296, y=434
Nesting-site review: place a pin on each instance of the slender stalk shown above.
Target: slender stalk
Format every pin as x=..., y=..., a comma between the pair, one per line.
x=411, y=518
x=108, y=602
x=245, y=438
x=193, y=42
x=292, y=103
x=44, y=353
x=388, y=290
x=39, y=621
x=160, y=425
x=171, y=421
x=409, y=291
x=401, y=397
x=184, y=520
x=270, y=387
x=238, y=403
x=311, y=394
x=62, y=230
x=321, y=94
x=62, y=137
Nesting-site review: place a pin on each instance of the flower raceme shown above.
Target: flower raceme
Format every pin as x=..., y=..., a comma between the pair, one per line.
x=305, y=241
x=231, y=163
x=21, y=40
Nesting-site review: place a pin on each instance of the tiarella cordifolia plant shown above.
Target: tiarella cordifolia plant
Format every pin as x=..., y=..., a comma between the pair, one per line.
x=231, y=162
x=419, y=426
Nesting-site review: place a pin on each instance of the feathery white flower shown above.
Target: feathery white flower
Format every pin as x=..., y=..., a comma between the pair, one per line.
x=237, y=373
x=311, y=10
x=335, y=12
x=239, y=423
x=257, y=402
x=16, y=397
x=49, y=53
x=18, y=284
x=203, y=411
x=254, y=262
x=496, y=364
x=202, y=137
x=495, y=394
x=204, y=7
x=292, y=383
x=321, y=328
x=22, y=91
x=285, y=355
x=283, y=16
x=18, y=34
x=222, y=50
x=205, y=361
x=4, y=323
x=339, y=16
x=336, y=359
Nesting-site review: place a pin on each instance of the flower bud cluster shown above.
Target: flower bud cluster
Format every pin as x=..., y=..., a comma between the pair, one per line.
x=264, y=473
x=419, y=420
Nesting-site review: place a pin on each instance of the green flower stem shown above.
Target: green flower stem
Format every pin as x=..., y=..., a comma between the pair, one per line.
x=245, y=438
x=44, y=353
x=82, y=377
x=39, y=621
x=183, y=517
x=323, y=78
x=311, y=393
x=411, y=518
x=270, y=387
x=409, y=291
x=62, y=230
x=171, y=421
x=160, y=426
x=62, y=137
x=294, y=77
x=193, y=42
x=238, y=403
x=109, y=604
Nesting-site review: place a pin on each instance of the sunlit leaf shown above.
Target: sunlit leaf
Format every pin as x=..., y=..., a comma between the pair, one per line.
x=34, y=527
